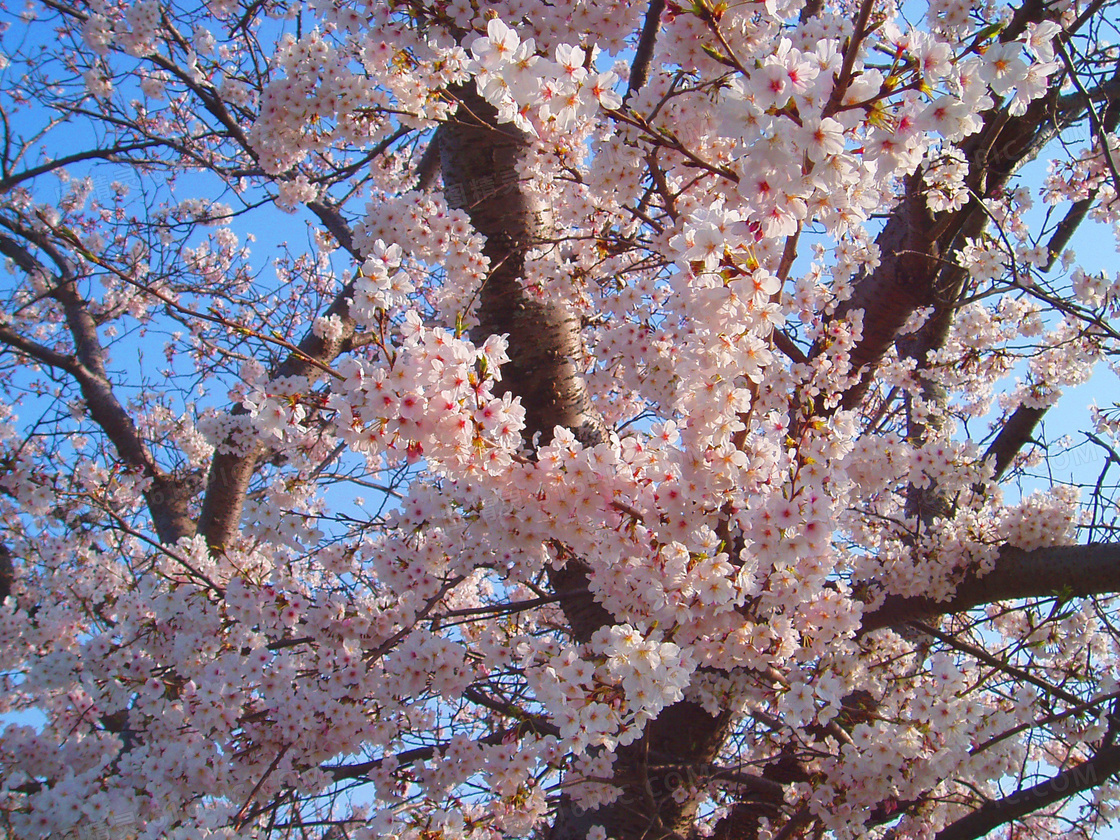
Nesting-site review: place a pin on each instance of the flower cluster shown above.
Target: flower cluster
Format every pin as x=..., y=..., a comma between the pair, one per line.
x=608, y=700
x=526, y=87
x=791, y=294
x=434, y=400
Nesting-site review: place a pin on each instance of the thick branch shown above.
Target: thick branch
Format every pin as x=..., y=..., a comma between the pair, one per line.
x=36, y=351
x=7, y=573
x=427, y=170
x=1063, y=571
x=903, y=282
x=992, y=815
x=917, y=267
x=1080, y=209
x=673, y=752
x=480, y=161
x=643, y=55
x=1016, y=432
x=167, y=497
x=338, y=227
x=362, y=770
x=114, y=155
x=231, y=471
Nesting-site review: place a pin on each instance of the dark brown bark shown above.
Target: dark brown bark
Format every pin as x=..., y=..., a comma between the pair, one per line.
x=917, y=250
x=479, y=165
x=7, y=573
x=994, y=813
x=671, y=754
x=232, y=471
x=903, y=282
x=480, y=161
x=917, y=269
x=1014, y=434
x=643, y=55
x=480, y=172
x=1067, y=571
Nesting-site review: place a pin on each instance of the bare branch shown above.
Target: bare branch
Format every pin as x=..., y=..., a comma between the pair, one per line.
x=1098, y=126
x=643, y=55
x=1080, y=209
x=981, y=655
x=1015, y=433
x=38, y=352
x=113, y=155
x=167, y=496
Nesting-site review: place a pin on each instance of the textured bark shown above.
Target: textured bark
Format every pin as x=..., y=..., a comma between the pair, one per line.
x=671, y=753
x=226, y=486
x=1015, y=433
x=928, y=502
x=643, y=55
x=231, y=472
x=743, y=818
x=168, y=499
x=1066, y=571
x=583, y=613
x=917, y=267
x=480, y=161
x=903, y=282
x=7, y=572
x=992, y=814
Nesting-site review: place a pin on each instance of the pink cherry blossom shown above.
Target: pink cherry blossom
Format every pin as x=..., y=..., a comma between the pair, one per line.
x=454, y=421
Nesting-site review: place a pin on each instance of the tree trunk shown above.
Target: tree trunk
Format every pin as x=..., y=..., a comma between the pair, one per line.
x=480, y=161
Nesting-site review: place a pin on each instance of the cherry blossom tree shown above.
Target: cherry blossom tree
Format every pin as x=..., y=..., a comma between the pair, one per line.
x=436, y=420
